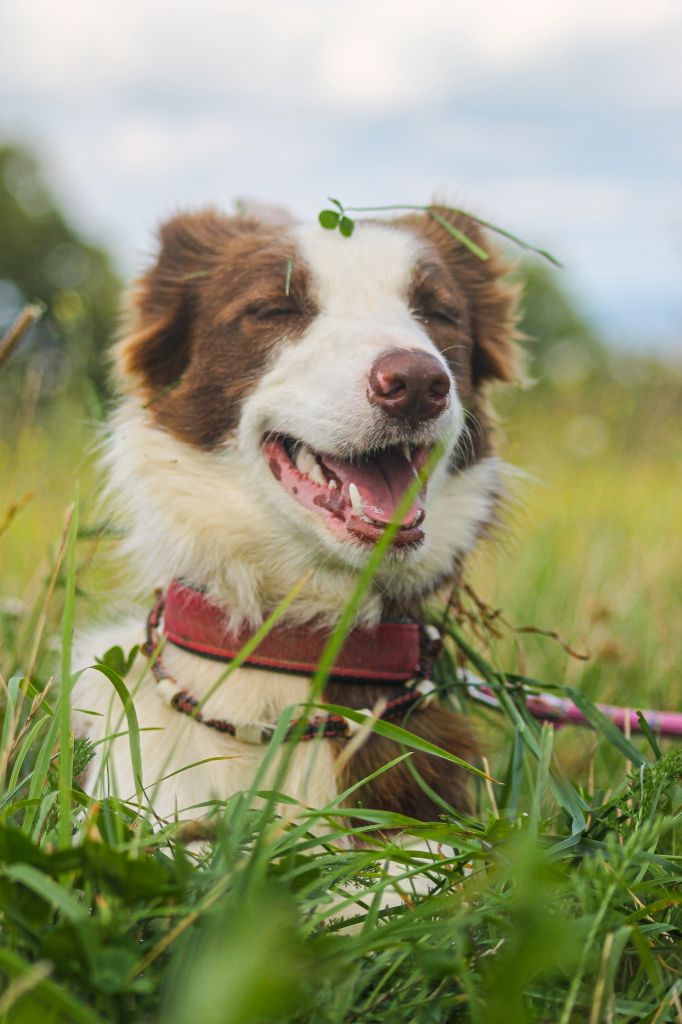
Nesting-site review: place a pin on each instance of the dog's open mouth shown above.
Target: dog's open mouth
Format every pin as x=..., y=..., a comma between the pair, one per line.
x=358, y=497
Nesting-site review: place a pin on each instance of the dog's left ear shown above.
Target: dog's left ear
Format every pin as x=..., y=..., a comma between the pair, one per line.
x=493, y=299
x=157, y=347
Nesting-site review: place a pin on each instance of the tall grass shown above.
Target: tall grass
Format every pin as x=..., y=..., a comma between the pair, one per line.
x=557, y=901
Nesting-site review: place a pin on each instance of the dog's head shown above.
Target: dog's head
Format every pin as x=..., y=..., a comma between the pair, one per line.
x=296, y=381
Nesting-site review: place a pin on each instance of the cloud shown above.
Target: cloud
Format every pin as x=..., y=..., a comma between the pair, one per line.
x=370, y=53
x=560, y=120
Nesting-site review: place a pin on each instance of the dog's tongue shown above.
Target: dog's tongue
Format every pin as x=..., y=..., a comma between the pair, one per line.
x=382, y=482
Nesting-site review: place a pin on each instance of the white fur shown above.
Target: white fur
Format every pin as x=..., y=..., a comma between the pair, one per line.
x=222, y=520
x=316, y=390
x=171, y=741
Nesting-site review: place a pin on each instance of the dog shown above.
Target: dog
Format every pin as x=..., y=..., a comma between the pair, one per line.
x=282, y=387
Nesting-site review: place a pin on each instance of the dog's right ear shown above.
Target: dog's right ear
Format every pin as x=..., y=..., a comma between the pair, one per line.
x=156, y=348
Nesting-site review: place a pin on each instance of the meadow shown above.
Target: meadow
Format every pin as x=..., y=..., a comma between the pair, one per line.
x=558, y=901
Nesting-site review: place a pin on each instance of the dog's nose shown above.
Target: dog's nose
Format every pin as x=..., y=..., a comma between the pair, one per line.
x=410, y=385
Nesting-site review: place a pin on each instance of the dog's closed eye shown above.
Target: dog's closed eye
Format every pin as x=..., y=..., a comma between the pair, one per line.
x=270, y=313
x=451, y=317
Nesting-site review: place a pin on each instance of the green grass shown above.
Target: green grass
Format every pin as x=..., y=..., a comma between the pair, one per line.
x=558, y=901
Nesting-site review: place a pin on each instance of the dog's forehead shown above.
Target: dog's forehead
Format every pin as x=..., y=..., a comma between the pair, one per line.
x=371, y=268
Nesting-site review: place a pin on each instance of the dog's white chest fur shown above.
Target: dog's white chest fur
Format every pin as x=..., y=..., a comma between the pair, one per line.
x=187, y=764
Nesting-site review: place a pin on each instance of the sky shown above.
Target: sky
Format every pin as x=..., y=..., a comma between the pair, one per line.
x=561, y=121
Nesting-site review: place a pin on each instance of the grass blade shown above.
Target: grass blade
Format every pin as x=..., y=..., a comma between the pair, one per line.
x=400, y=735
x=133, y=724
x=64, y=704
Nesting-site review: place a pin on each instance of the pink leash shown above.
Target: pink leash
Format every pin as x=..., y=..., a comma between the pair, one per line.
x=561, y=711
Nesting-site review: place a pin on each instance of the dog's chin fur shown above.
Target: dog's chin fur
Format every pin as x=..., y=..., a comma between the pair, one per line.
x=205, y=380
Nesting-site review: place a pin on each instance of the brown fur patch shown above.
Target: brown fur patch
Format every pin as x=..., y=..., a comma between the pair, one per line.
x=477, y=290
x=208, y=317
x=397, y=790
x=470, y=312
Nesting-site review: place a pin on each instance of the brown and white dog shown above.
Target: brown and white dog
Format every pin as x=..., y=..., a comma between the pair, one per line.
x=282, y=385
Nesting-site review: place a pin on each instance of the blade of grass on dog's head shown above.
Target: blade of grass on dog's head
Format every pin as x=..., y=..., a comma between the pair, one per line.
x=458, y=234
x=518, y=241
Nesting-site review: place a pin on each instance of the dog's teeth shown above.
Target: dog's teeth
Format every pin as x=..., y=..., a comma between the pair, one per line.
x=332, y=484
x=406, y=452
x=355, y=499
x=317, y=476
x=305, y=460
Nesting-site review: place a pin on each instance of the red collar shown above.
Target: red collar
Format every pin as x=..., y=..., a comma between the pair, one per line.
x=392, y=652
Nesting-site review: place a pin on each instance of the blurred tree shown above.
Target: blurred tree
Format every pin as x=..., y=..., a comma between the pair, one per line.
x=42, y=257
x=563, y=349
